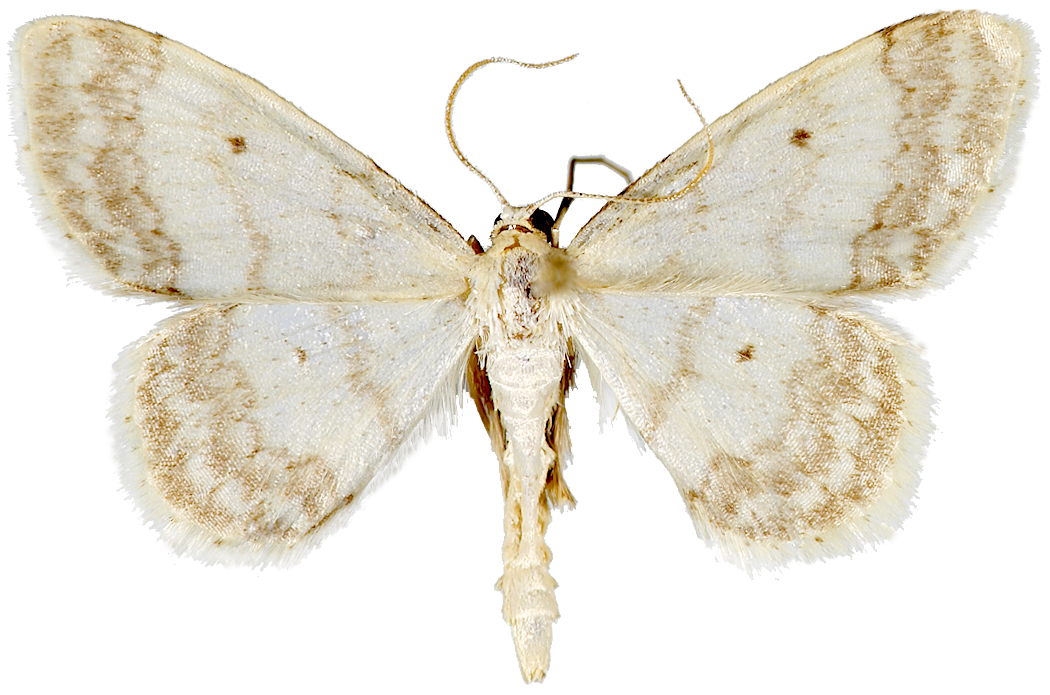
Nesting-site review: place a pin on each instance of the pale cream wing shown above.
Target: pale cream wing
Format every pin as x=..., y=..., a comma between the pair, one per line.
x=179, y=176
x=861, y=171
x=250, y=430
x=793, y=429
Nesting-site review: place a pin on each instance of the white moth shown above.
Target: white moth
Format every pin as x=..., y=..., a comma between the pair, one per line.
x=332, y=318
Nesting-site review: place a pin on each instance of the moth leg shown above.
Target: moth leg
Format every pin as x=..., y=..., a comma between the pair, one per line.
x=570, y=172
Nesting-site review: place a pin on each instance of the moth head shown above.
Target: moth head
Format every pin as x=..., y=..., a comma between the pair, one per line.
x=555, y=275
x=520, y=220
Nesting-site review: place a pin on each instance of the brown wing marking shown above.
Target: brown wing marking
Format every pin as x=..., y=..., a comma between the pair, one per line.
x=556, y=491
x=481, y=392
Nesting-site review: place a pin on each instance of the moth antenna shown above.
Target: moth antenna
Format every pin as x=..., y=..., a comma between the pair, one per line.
x=569, y=194
x=710, y=146
x=452, y=98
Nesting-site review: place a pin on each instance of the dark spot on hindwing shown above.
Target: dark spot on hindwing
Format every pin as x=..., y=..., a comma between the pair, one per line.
x=237, y=143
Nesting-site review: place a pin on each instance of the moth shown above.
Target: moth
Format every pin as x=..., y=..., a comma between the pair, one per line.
x=332, y=319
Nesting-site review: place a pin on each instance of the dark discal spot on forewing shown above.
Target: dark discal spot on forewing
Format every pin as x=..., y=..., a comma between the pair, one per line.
x=237, y=144
x=745, y=353
x=800, y=137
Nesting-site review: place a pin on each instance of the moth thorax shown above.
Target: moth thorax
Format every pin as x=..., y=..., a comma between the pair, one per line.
x=520, y=306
